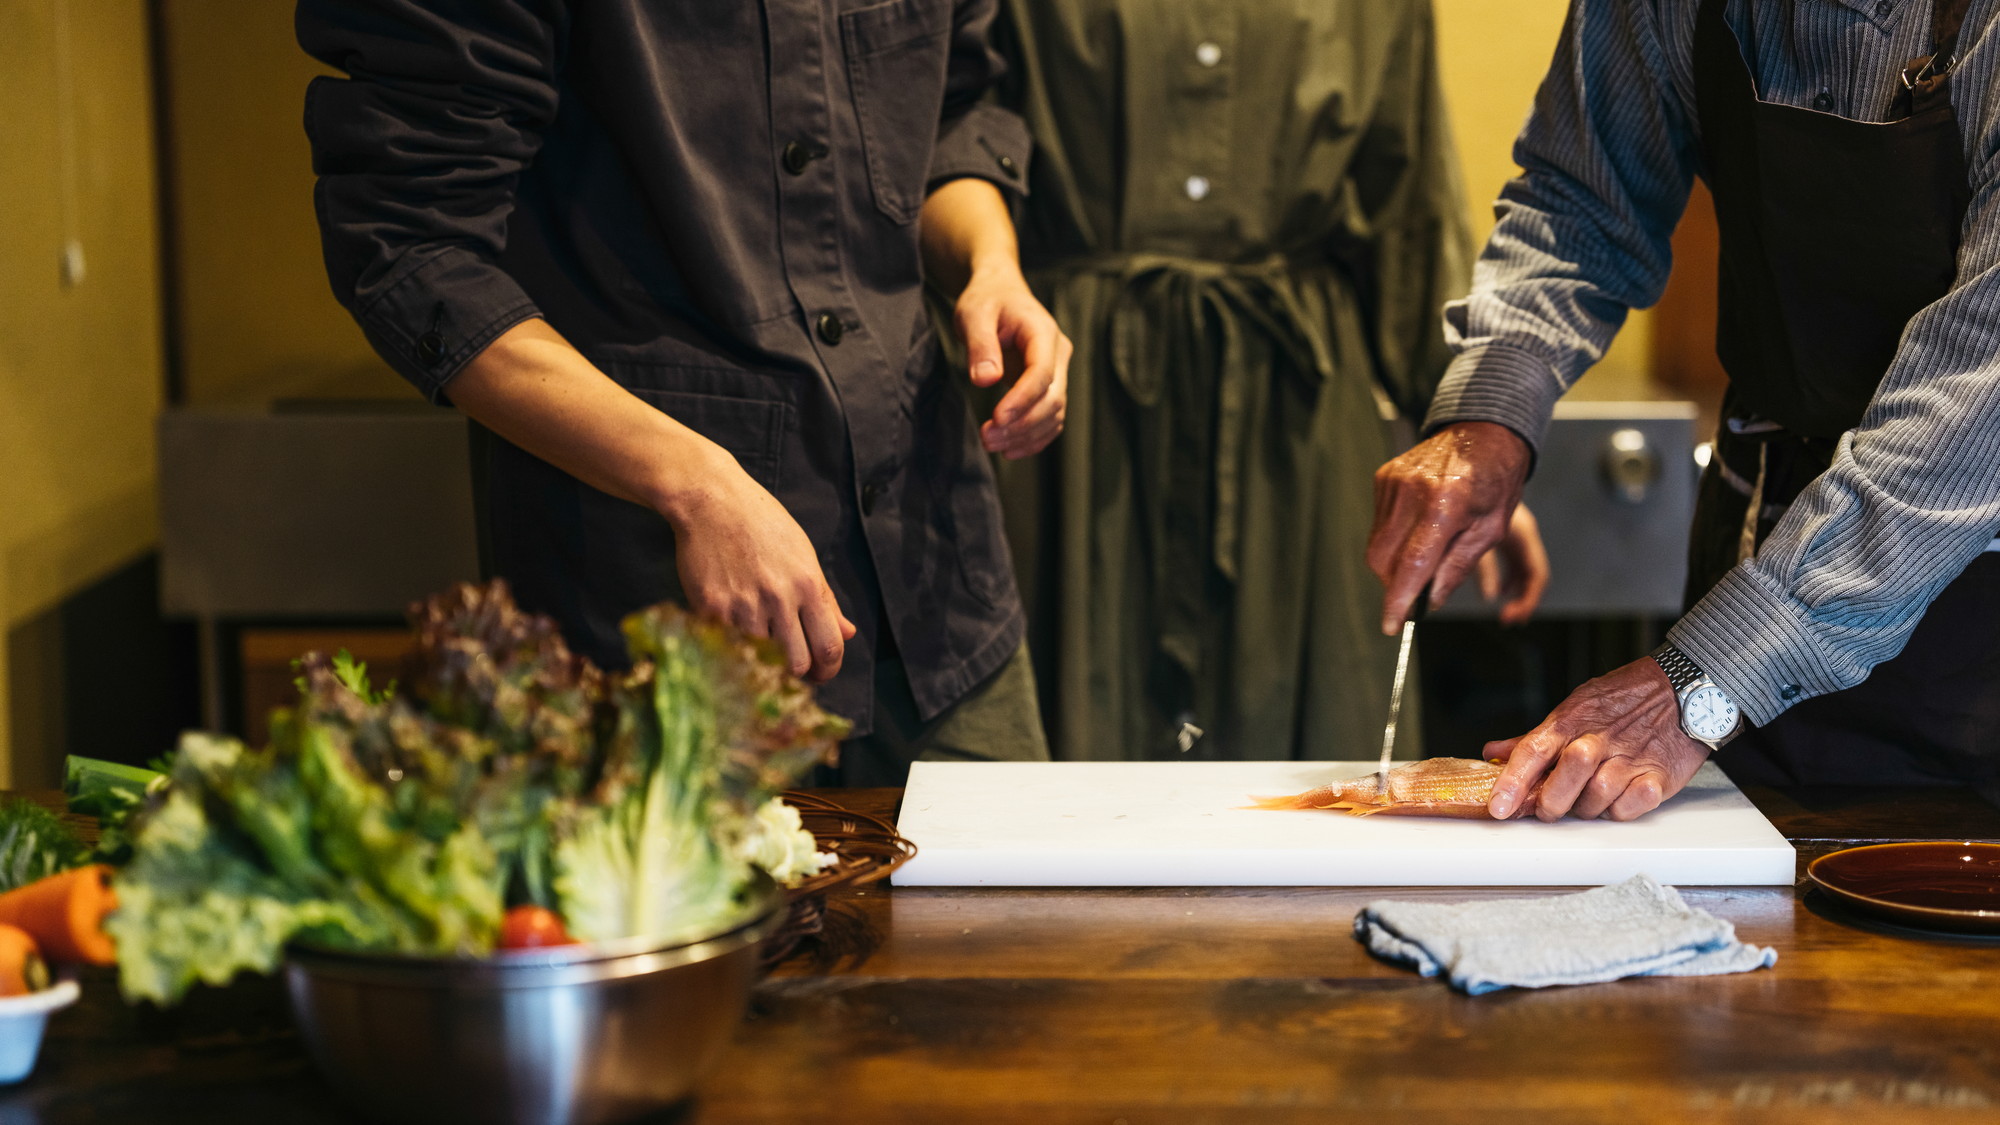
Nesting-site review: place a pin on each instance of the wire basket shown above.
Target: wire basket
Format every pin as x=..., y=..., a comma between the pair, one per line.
x=867, y=848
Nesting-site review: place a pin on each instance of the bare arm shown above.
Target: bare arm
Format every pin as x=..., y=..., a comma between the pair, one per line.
x=969, y=250
x=742, y=556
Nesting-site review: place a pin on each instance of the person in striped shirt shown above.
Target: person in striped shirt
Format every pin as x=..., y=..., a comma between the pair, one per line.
x=1843, y=610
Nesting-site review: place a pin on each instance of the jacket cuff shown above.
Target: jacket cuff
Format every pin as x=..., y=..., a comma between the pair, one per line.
x=441, y=312
x=985, y=143
x=1756, y=642
x=1497, y=383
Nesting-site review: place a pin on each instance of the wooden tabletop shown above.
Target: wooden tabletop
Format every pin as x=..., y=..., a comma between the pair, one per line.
x=1223, y=1006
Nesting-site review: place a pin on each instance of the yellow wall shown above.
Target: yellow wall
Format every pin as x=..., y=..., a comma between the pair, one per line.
x=80, y=365
x=1492, y=54
x=256, y=313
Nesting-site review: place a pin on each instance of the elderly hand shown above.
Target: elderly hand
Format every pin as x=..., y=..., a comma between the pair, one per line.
x=1516, y=570
x=1441, y=506
x=1007, y=332
x=1614, y=748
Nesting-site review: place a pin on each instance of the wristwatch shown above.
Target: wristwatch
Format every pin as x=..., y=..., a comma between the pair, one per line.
x=1708, y=715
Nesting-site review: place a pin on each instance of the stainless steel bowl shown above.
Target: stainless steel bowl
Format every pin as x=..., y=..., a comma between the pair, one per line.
x=579, y=1035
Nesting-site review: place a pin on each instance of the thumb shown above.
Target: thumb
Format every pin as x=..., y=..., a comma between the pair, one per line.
x=979, y=329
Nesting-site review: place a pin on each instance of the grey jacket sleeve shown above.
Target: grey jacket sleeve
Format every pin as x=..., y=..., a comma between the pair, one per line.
x=417, y=151
x=976, y=137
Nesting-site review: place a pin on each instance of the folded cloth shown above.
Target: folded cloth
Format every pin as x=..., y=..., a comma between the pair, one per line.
x=1633, y=928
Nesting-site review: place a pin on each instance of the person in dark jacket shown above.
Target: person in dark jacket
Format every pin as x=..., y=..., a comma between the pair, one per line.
x=669, y=260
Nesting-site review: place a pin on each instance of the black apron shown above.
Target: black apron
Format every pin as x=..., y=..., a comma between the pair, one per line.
x=1834, y=234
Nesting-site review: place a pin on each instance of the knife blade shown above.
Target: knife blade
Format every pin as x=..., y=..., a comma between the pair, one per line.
x=1417, y=609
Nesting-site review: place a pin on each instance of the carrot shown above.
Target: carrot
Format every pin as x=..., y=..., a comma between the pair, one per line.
x=64, y=913
x=532, y=927
x=22, y=969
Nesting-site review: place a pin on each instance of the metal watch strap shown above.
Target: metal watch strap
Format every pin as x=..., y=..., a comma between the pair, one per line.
x=1680, y=670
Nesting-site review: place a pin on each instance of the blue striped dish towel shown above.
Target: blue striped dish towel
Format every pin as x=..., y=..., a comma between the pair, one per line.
x=1634, y=928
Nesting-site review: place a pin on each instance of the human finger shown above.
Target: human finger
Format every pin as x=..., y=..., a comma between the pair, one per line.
x=1641, y=796
x=1034, y=433
x=1036, y=339
x=1527, y=760
x=1574, y=766
x=1490, y=578
x=1460, y=556
x=785, y=629
x=1528, y=563
x=979, y=329
x=1604, y=788
x=1395, y=513
x=826, y=630
x=1414, y=567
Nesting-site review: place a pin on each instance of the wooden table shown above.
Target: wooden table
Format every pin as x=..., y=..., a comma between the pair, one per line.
x=1225, y=1006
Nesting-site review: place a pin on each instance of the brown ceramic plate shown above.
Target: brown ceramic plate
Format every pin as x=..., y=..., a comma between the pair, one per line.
x=1937, y=885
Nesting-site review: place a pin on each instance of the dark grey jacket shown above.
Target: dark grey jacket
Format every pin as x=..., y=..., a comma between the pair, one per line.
x=716, y=202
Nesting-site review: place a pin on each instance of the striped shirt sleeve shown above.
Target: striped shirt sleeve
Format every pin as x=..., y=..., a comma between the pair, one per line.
x=1607, y=156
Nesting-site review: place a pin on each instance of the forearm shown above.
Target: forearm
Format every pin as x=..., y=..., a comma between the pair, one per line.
x=966, y=232
x=533, y=388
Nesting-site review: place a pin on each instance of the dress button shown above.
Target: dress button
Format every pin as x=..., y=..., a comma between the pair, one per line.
x=830, y=328
x=1788, y=691
x=1197, y=188
x=430, y=348
x=870, y=492
x=797, y=156
x=1823, y=101
x=1207, y=54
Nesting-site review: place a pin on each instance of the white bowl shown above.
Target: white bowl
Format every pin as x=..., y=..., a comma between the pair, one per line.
x=22, y=1019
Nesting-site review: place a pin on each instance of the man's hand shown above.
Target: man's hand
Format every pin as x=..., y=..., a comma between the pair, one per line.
x=1613, y=748
x=742, y=556
x=745, y=560
x=1516, y=570
x=1008, y=332
x=1438, y=508
x=969, y=249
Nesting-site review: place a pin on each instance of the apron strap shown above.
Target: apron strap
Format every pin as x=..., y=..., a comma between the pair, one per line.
x=1924, y=80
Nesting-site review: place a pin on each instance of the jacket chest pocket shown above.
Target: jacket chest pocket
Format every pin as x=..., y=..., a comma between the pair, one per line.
x=896, y=58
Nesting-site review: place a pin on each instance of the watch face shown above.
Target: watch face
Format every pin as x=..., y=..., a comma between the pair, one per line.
x=1708, y=714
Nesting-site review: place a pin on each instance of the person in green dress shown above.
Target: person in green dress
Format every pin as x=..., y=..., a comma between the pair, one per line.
x=1247, y=215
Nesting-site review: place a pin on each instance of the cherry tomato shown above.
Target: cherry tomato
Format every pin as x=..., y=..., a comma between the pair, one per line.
x=532, y=927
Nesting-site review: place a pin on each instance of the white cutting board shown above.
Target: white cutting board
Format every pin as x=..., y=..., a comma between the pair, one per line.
x=1179, y=824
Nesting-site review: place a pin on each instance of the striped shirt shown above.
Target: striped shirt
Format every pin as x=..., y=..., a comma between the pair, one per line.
x=1609, y=154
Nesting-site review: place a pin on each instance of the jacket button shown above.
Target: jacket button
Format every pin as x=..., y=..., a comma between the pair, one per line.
x=830, y=328
x=430, y=348
x=797, y=156
x=870, y=492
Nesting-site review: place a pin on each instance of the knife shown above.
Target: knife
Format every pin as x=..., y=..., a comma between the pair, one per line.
x=1417, y=609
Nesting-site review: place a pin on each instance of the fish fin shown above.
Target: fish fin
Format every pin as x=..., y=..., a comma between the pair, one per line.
x=1292, y=801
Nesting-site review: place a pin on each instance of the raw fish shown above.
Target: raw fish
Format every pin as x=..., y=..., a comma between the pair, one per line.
x=1456, y=787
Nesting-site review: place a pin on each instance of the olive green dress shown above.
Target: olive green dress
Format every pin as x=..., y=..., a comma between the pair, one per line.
x=1246, y=214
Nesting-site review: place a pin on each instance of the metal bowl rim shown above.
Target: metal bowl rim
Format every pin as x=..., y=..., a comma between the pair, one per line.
x=757, y=919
